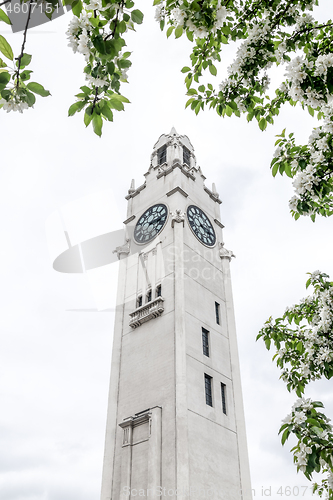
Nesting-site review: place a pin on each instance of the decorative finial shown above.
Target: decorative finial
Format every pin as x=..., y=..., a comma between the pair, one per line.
x=132, y=188
x=173, y=131
x=214, y=189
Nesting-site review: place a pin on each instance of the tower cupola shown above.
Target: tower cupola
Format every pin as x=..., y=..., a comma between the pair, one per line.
x=173, y=148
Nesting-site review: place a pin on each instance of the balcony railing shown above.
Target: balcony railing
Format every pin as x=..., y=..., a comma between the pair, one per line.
x=148, y=311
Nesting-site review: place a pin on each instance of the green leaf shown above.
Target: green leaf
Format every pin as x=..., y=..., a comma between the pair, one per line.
x=77, y=8
x=85, y=89
x=116, y=104
x=189, y=102
x=137, y=16
x=262, y=124
x=4, y=77
x=110, y=67
x=2, y=64
x=185, y=69
x=30, y=99
x=99, y=44
x=124, y=63
x=25, y=75
x=120, y=98
x=6, y=49
x=275, y=169
x=287, y=169
x=4, y=17
x=228, y=110
x=87, y=118
x=192, y=92
x=25, y=61
x=121, y=27
x=312, y=421
x=285, y=436
x=106, y=111
x=156, y=2
x=169, y=31
x=94, y=21
x=97, y=124
x=178, y=32
x=77, y=106
x=37, y=88
x=212, y=69
x=189, y=35
x=311, y=110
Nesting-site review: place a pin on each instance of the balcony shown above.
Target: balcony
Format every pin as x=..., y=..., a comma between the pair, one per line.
x=148, y=311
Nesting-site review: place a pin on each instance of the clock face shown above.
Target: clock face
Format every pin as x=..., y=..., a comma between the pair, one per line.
x=150, y=223
x=201, y=226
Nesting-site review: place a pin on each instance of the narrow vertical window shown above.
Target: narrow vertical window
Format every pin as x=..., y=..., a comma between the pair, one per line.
x=205, y=342
x=217, y=312
x=223, y=392
x=148, y=296
x=208, y=390
x=139, y=301
x=162, y=155
x=186, y=156
x=159, y=291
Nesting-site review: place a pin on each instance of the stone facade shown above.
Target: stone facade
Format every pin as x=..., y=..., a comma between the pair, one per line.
x=162, y=439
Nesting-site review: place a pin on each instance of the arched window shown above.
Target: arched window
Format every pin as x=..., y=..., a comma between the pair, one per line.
x=162, y=155
x=186, y=156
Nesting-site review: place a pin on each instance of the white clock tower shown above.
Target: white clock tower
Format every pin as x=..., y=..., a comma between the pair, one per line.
x=175, y=424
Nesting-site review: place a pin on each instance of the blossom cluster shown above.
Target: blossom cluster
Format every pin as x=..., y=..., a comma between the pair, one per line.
x=305, y=352
x=96, y=31
x=182, y=15
x=17, y=93
x=314, y=449
x=310, y=167
x=13, y=105
x=288, y=35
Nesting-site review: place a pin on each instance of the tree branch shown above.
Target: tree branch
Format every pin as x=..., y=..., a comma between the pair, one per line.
x=111, y=35
x=95, y=100
x=23, y=45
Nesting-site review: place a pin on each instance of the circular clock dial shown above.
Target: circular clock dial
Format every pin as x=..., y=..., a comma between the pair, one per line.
x=150, y=223
x=201, y=226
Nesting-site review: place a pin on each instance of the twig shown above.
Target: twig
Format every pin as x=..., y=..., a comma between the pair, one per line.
x=115, y=24
x=95, y=100
x=23, y=45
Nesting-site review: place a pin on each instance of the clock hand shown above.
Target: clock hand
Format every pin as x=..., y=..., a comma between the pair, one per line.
x=207, y=230
x=155, y=220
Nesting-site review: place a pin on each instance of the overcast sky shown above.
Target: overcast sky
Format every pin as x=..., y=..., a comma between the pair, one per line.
x=54, y=358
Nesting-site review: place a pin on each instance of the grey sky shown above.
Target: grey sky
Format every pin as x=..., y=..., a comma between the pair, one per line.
x=54, y=363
